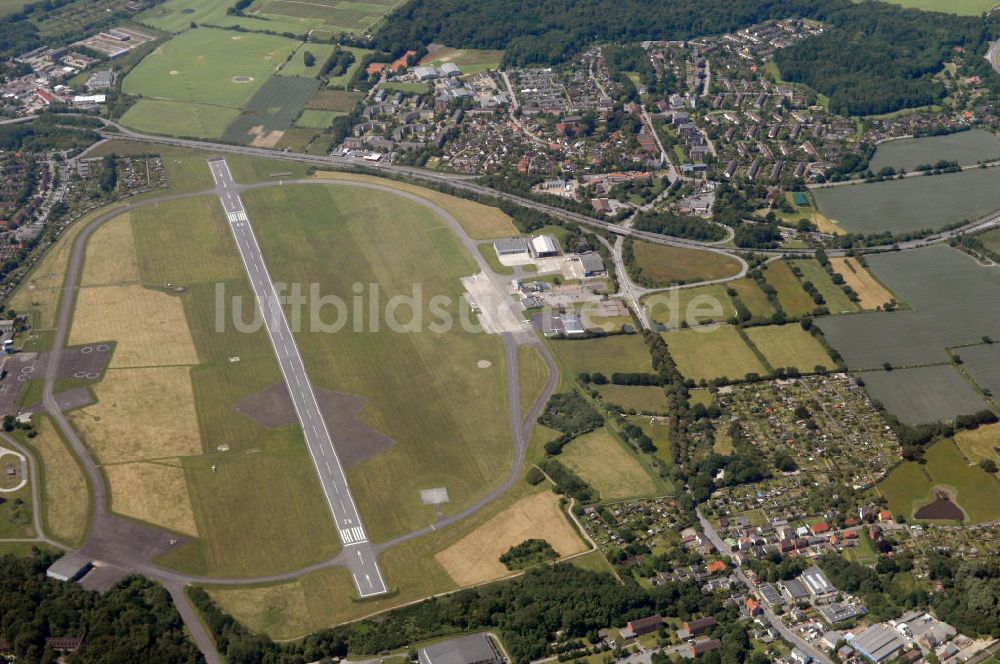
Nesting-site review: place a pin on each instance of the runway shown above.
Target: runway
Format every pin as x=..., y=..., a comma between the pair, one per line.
x=361, y=558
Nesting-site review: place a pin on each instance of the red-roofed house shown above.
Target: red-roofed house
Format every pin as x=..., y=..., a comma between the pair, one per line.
x=885, y=515
x=716, y=566
x=819, y=528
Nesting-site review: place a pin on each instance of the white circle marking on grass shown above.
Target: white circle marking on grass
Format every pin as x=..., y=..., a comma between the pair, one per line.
x=484, y=364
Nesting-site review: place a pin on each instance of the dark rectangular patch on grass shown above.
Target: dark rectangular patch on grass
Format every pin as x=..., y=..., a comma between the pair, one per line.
x=271, y=111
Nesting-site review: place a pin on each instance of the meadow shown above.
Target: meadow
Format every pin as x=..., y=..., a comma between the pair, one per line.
x=179, y=118
x=789, y=346
x=604, y=463
x=965, y=147
x=662, y=265
x=420, y=386
x=642, y=398
x=709, y=354
x=912, y=204
x=909, y=485
x=793, y=299
x=924, y=394
x=618, y=353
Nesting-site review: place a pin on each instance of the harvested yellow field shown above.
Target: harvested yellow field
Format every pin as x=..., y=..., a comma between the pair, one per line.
x=981, y=443
x=476, y=557
x=872, y=293
x=111, y=256
x=141, y=414
x=153, y=492
x=40, y=292
x=481, y=222
x=149, y=326
x=64, y=486
x=603, y=463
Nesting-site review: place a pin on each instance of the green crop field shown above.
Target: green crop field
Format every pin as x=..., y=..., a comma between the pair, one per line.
x=983, y=364
x=924, y=394
x=962, y=7
x=179, y=118
x=916, y=203
x=752, y=297
x=271, y=111
x=423, y=386
x=208, y=66
x=626, y=353
x=789, y=346
x=177, y=15
x=836, y=299
x=703, y=354
x=952, y=302
x=795, y=301
x=663, y=265
x=909, y=485
x=966, y=147
x=991, y=239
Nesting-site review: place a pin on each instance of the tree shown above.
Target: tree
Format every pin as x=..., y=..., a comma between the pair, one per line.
x=989, y=465
x=308, y=59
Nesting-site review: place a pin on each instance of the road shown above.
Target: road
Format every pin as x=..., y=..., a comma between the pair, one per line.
x=786, y=633
x=361, y=559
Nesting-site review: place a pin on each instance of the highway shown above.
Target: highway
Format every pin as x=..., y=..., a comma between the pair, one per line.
x=361, y=559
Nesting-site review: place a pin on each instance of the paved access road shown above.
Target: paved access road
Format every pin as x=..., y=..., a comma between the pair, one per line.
x=360, y=559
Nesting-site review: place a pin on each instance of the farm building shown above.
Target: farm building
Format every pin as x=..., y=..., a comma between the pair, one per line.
x=472, y=649
x=511, y=247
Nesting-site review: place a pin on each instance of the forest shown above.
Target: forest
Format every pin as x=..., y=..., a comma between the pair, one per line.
x=892, y=56
x=133, y=622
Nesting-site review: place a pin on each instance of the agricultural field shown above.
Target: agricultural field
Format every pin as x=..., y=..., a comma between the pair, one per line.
x=316, y=119
x=789, y=346
x=626, y=353
x=703, y=354
x=271, y=111
x=952, y=304
x=663, y=265
x=415, y=389
x=982, y=363
x=602, y=461
x=912, y=204
x=334, y=100
x=966, y=147
x=752, y=297
x=961, y=7
x=793, y=299
x=872, y=294
x=911, y=486
x=924, y=394
x=323, y=18
x=470, y=60
x=836, y=299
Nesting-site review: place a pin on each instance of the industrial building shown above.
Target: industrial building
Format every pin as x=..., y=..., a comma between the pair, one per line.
x=878, y=643
x=472, y=649
x=71, y=567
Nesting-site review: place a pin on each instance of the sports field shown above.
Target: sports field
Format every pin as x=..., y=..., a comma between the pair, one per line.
x=625, y=353
x=663, y=265
x=793, y=299
x=602, y=461
x=952, y=302
x=924, y=394
x=421, y=385
x=912, y=204
x=872, y=294
x=965, y=147
x=983, y=364
x=962, y=7
x=910, y=485
x=703, y=354
x=789, y=346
